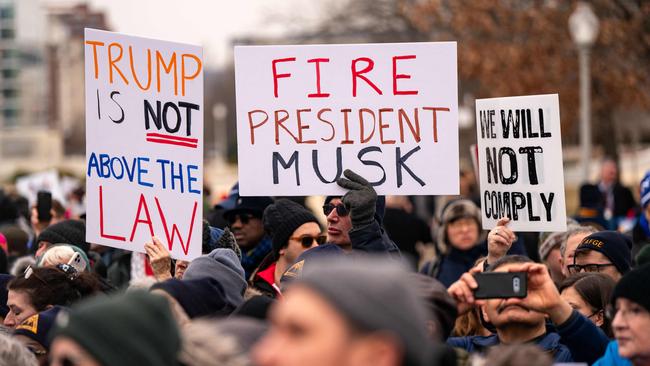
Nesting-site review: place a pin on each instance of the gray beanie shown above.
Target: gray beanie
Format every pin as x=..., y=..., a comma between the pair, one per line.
x=223, y=265
x=374, y=296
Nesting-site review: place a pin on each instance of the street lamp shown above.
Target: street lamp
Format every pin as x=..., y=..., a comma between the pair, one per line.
x=219, y=113
x=583, y=25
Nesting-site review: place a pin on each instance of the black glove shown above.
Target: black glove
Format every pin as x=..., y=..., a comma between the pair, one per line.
x=361, y=198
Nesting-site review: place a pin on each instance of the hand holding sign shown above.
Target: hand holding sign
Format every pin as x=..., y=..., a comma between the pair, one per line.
x=360, y=200
x=499, y=240
x=159, y=259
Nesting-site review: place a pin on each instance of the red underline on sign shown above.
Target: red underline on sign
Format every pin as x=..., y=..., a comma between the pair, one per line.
x=172, y=142
x=172, y=137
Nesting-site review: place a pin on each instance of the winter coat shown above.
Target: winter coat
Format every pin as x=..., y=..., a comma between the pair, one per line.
x=576, y=340
x=612, y=358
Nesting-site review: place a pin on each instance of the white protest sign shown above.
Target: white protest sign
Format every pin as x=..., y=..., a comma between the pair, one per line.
x=144, y=142
x=29, y=185
x=387, y=111
x=520, y=162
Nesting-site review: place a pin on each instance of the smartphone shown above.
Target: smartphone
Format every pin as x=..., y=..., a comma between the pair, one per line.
x=77, y=262
x=44, y=206
x=501, y=285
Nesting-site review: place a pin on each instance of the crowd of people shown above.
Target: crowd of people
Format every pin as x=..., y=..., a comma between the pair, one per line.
x=375, y=285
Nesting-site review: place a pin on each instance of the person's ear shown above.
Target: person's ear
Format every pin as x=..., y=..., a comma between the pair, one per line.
x=282, y=251
x=485, y=315
x=600, y=318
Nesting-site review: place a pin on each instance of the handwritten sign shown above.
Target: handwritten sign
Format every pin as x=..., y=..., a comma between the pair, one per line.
x=387, y=111
x=520, y=162
x=144, y=142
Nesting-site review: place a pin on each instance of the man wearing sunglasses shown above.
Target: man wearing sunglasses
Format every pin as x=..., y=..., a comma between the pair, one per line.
x=604, y=251
x=293, y=229
x=245, y=221
x=354, y=221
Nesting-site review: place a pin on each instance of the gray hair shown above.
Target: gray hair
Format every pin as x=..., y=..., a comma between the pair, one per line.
x=575, y=230
x=13, y=353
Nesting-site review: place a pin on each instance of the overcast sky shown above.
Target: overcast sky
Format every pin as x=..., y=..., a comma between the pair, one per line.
x=210, y=23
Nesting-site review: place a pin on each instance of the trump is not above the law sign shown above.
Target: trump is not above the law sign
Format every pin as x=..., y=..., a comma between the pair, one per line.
x=386, y=111
x=520, y=162
x=144, y=142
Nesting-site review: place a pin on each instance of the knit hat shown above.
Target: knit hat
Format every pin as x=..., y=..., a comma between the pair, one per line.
x=441, y=306
x=256, y=307
x=551, y=242
x=223, y=266
x=38, y=326
x=132, y=329
x=282, y=218
x=612, y=245
x=374, y=296
x=645, y=190
x=199, y=297
x=456, y=210
x=3, y=243
x=634, y=287
x=252, y=205
x=68, y=232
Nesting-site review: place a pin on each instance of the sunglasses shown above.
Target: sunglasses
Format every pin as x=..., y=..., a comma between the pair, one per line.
x=307, y=240
x=341, y=210
x=243, y=218
x=577, y=268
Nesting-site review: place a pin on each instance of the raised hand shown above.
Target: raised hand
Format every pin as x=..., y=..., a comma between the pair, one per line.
x=361, y=198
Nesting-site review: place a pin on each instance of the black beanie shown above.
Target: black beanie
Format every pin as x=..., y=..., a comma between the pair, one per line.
x=611, y=244
x=282, y=218
x=200, y=297
x=634, y=287
x=66, y=232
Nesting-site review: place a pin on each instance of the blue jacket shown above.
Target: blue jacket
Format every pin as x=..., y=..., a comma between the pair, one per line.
x=549, y=342
x=576, y=340
x=612, y=358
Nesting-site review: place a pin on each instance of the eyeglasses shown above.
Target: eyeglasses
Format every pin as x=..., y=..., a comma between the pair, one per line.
x=626, y=313
x=341, y=210
x=243, y=218
x=307, y=240
x=577, y=268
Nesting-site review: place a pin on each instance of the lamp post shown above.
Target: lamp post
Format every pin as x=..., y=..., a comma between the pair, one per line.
x=219, y=113
x=583, y=25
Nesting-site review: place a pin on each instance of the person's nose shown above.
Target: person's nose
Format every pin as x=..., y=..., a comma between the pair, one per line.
x=618, y=323
x=333, y=216
x=237, y=224
x=10, y=320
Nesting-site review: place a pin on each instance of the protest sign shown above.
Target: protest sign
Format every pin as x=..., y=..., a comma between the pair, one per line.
x=520, y=162
x=144, y=142
x=29, y=185
x=387, y=111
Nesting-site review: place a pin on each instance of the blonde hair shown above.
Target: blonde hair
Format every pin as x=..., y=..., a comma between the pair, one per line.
x=59, y=254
